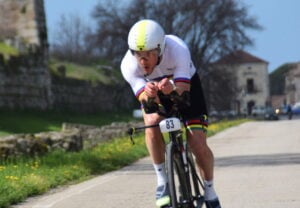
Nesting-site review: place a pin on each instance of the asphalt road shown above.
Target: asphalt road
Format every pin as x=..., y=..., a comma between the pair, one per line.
x=257, y=165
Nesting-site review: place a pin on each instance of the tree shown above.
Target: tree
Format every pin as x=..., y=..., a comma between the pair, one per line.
x=72, y=40
x=277, y=79
x=210, y=28
x=113, y=24
x=220, y=89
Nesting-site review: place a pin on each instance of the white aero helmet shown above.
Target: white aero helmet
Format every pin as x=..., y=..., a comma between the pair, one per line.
x=146, y=35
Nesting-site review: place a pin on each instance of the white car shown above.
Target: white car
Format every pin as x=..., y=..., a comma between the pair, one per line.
x=258, y=110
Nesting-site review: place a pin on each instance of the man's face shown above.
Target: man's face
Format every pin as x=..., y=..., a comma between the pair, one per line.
x=147, y=60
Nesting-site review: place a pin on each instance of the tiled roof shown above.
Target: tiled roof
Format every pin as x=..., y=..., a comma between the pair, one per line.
x=239, y=57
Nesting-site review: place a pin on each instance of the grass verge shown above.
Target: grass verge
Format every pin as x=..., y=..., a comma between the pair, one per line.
x=24, y=177
x=15, y=122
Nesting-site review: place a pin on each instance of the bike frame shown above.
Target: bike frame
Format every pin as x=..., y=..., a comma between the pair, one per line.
x=178, y=152
x=179, y=159
x=184, y=165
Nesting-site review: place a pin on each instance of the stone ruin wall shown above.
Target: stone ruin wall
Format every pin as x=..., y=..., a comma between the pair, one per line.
x=73, y=137
x=25, y=81
x=23, y=24
x=83, y=96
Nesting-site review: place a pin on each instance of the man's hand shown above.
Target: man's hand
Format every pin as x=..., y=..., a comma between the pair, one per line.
x=151, y=89
x=165, y=86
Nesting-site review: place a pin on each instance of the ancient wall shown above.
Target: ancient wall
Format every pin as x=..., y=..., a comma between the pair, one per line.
x=83, y=96
x=24, y=83
x=24, y=80
x=73, y=137
x=23, y=24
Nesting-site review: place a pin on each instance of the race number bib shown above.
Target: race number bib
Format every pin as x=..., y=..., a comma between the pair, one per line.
x=170, y=124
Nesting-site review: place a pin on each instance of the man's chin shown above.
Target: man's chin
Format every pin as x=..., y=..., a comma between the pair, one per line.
x=147, y=70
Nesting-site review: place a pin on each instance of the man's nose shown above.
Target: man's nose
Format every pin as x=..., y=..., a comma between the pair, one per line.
x=143, y=60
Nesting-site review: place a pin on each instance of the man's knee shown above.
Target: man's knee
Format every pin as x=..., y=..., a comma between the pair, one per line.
x=151, y=119
x=197, y=142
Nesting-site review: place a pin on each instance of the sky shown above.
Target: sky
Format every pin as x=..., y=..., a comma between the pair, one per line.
x=278, y=43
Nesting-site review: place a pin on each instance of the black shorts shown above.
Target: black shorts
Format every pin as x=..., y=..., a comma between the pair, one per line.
x=195, y=117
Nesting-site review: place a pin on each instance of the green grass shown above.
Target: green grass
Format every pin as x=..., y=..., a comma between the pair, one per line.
x=24, y=177
x=7, y=50
x=14, y=122
x=92, y=73
x=222, y=125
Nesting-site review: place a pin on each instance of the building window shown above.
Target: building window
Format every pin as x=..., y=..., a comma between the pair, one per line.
x=250, y=85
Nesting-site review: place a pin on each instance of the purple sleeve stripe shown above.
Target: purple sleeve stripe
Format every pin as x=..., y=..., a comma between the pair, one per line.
x=179, y=79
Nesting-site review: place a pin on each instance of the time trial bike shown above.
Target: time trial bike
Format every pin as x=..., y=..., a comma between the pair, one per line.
x=185, y=185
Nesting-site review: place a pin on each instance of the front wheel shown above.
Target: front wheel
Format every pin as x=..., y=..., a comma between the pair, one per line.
x=178, y=185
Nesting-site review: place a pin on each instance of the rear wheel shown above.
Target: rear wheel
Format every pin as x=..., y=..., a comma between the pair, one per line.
x=197, y=187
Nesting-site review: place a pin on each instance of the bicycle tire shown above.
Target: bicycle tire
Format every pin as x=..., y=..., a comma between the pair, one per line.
x=179, y=192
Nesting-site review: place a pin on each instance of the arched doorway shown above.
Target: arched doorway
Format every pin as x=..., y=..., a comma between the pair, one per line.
x=250, y=105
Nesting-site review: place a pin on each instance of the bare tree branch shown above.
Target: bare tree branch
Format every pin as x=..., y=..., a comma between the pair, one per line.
x=210, y=28
x=72, y=40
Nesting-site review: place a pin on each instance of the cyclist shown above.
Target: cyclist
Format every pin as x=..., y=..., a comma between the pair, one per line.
x=155, y=65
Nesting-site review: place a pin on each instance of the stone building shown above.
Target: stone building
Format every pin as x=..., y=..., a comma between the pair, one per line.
x=251, y=80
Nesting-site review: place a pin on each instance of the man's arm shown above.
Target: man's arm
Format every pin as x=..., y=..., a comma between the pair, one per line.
x=167, y=86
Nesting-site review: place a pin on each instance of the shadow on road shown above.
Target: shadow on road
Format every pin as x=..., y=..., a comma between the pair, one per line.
x=259, y=160
x=139, y=168
x=146, y=168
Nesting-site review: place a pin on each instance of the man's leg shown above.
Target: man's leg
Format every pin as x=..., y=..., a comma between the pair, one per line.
x=155, y=145
x=203, y=154
x=156, y=149
x=205, y=160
